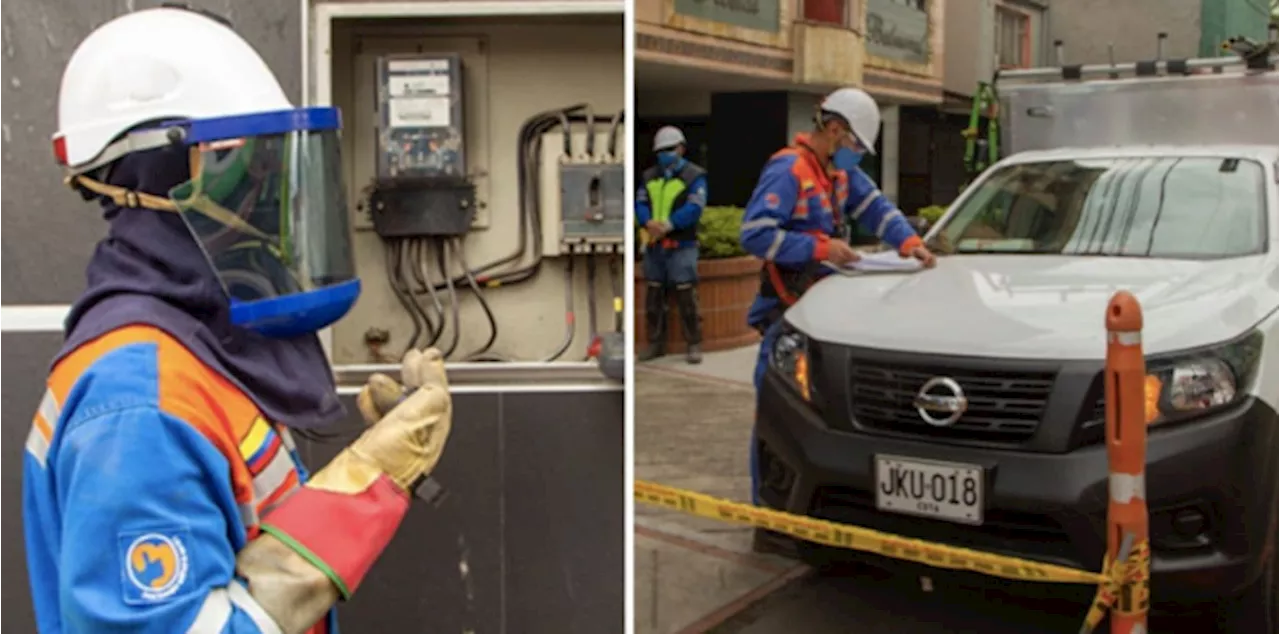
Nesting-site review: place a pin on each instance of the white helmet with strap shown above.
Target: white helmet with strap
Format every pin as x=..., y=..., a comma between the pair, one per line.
x=152, y=65
x=859, y=110
x=266, y=182
x=667, y=138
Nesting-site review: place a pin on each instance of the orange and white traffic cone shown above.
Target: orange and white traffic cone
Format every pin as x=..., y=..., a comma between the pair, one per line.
x=1127, y=534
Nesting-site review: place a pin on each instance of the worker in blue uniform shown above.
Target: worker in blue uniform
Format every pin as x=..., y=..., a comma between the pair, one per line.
x=162, y=490
x=796, y=218
x=669, y=205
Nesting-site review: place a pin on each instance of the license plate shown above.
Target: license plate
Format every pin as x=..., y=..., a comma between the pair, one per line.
x=928, y=488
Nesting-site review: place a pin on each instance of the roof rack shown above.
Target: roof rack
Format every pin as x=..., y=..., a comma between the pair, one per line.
x=1249, y=57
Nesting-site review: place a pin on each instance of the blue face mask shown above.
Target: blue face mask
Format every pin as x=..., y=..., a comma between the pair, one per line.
x=846, y=158
x=667, y=158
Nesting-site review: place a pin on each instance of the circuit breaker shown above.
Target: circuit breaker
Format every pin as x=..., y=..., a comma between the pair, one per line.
x=422, y=187
x=583, y=187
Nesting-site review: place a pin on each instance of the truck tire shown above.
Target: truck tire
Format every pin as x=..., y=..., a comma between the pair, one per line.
x=1256, y=609
x=767, y=542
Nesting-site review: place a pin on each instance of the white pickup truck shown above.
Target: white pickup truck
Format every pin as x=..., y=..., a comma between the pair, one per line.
x=1162, y=182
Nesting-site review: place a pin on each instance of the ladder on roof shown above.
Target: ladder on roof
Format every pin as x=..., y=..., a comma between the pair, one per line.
x=982, y=136
x=1247, y=55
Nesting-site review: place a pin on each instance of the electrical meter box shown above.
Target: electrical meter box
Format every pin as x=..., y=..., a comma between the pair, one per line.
x=422, y=188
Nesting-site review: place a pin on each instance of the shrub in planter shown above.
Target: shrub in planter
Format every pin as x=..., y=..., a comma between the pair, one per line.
x=932, y=214
x=718, y=233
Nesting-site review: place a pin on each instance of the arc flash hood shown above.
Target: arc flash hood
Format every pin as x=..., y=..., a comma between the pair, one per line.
x=150, y=270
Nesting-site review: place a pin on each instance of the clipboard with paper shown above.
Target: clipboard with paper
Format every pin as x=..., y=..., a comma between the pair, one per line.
x=884, y=262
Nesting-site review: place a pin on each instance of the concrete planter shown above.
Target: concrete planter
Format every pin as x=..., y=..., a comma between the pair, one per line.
x=725, y=290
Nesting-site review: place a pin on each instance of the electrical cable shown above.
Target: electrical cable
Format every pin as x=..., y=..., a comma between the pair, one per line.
x=412, y=253
x=568, y=138
x=420, y=266
x=530, y=222
x=392, y=252
x=591, y=133
x=613, y=134
x=568, y=311
x=615, y=276
x=442, y=257
x=533, y=130
x=460, y=245
x=592, y=329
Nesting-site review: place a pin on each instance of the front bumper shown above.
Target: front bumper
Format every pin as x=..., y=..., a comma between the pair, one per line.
x=1049, y=507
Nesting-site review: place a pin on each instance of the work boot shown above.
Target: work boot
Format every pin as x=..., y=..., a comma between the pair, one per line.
x=655, y=321
x=690, y=321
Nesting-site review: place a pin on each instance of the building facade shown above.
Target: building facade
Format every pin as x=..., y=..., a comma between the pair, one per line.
x=743, y=76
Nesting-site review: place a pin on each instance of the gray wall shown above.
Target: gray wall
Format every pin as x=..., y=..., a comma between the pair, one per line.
x=1087, y=26
x=48, y=230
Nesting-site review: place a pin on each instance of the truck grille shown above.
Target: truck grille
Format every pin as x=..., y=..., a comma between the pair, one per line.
x=1004, y=406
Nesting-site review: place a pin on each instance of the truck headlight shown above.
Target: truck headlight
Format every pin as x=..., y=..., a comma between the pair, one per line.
x=790, y=357
x=1192, y=384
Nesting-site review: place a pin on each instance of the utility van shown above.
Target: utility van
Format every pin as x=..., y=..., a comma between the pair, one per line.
x=964, y=404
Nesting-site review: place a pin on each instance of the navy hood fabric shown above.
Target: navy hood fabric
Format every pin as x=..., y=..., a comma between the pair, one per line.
x=150, y=270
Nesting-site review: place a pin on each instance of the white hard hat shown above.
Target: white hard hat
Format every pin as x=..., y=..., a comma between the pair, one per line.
x=667, y=137
x=163, y=63
x=860, y=110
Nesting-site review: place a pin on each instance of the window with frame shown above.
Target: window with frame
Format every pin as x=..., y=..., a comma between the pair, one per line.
x=1013, y=37
x=833, y=12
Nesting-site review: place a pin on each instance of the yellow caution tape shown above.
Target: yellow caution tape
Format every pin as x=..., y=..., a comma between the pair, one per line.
x=862, y=539
x=1127, y=589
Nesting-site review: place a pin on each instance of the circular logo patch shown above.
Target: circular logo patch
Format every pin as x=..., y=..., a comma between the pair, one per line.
x=156, y=565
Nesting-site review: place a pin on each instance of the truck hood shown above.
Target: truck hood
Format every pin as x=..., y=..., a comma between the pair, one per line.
x=1038, y=306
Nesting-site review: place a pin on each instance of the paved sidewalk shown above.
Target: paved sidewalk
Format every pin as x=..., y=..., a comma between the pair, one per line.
x=693, y=426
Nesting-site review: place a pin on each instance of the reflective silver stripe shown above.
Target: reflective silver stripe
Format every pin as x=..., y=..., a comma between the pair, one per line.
x=50, y=409
x=759, y=223
x=884, y=222
x=776, y=246
x=271, y=477
x=1124, y=487
x=1127, y=337
x=37, y=446
x=285, y=437
x=214, y=613
x=249, y=513
x=241, y=598
x=866, y=202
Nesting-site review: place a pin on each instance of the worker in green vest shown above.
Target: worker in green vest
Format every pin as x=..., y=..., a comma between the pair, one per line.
x=669, y=206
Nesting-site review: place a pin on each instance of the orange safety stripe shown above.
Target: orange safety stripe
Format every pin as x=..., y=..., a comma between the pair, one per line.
x=195, y=393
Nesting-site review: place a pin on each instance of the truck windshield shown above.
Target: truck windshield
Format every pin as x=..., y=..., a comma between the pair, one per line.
x=1166, y=207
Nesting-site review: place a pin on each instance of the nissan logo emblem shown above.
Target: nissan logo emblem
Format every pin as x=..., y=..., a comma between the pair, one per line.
x=940, y=401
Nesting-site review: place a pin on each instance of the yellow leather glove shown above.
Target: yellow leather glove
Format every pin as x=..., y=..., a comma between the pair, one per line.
x=319, y=543
x=407, y=442
x=382, y=393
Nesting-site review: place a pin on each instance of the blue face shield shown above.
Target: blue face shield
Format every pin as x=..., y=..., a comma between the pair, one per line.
x=667, y=158
x=267, y=205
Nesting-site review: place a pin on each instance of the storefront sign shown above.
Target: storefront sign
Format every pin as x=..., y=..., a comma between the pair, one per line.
x=761, y=15
x=898, y=30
